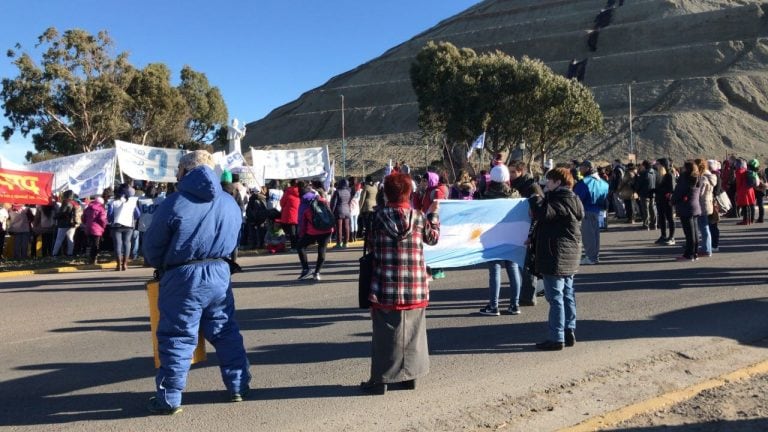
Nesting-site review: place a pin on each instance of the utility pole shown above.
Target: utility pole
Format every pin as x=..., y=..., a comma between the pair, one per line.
x=343, y=142
x=631, y=137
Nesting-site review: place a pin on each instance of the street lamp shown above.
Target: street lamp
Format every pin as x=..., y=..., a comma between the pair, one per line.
x=343, y=142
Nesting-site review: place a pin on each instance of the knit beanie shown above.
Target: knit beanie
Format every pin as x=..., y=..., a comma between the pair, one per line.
x=500, y=174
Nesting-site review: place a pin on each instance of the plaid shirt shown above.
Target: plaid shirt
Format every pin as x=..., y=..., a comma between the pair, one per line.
x=400, y=276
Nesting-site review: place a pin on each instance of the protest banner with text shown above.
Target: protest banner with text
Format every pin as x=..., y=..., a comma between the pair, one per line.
x=148, y=163
x=85, y=174
x=25, y=187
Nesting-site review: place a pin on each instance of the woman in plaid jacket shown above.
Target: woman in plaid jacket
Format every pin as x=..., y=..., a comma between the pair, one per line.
x=399, y=291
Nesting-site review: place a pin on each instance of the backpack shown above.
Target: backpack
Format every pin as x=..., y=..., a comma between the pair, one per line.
x=322, y=217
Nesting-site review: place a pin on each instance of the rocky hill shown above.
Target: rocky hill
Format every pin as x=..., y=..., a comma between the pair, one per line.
x=697, y=71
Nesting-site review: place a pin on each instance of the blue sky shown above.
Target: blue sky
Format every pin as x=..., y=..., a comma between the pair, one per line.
x=260, y=53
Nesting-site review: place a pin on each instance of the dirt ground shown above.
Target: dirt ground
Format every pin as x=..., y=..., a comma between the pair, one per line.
x=736, y=406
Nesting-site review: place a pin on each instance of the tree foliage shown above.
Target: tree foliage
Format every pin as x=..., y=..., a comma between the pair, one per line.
x=79, y=97
x=462, y=94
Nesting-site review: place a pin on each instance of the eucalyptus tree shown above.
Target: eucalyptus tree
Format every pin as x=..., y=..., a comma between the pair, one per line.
x=72, y=101
x=80, y=97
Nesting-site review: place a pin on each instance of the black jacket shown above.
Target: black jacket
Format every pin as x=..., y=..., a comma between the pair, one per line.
x=527, y=186
x=558, y=232
x=646, y=183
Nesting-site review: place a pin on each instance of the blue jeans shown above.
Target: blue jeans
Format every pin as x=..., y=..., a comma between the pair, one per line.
x=121, y=236
x=706, y=239
x=135, y=240
x=562, y=305
x=494, y=282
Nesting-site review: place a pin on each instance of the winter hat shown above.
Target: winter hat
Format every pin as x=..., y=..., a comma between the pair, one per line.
x=194, y=159
x=226, y=176
x=713, y=165
x=753, y=164
x=432, y=179
x=500, y=174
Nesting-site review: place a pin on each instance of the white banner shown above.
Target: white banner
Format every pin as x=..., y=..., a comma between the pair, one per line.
x=291, y=164
x=148, y=163
x=86, y=174
x=228, y=162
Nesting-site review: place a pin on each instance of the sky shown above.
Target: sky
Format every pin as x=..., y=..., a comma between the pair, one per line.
x=261, y=54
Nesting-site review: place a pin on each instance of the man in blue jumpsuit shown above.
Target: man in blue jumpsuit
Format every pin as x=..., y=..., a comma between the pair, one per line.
x=191, y=231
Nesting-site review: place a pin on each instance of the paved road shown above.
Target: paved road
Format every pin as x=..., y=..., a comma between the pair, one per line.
x=76, y=351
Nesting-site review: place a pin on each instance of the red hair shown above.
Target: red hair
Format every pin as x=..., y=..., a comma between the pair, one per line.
x=398, y=187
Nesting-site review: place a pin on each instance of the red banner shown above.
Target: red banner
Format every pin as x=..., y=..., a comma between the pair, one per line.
x=25, y=187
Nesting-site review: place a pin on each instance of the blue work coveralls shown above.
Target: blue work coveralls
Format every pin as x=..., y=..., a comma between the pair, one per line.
x=189, y=231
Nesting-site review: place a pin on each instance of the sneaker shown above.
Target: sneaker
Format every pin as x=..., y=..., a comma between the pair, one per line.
x=513, y=310
x=670, y=241
x=587, y=261
x=305, y=274
x=660, y=241
x=338, y=246
x=155, y=406
x=489, y=311
x=239, y=397
x=343, y=245
x=317, y=277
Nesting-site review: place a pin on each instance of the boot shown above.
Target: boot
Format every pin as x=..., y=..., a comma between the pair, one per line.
x=124, y=264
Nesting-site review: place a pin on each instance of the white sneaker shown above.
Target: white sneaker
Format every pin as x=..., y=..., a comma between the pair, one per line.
x=317, y=277
x=587, y=261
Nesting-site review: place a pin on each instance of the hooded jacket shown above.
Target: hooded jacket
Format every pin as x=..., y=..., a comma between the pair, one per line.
x=745, y=194
x=200, y=221
x=95, y=219
x=289, y=206
x=399, y=275
x=558, y=219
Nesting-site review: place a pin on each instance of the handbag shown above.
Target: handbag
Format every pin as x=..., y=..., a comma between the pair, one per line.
x=366, y=275
x=364, y=283
x=366, y=271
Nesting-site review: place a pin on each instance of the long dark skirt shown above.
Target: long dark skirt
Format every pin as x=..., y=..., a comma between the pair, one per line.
x=399, y=348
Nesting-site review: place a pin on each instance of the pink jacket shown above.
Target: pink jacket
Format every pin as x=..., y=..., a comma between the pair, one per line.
x=95, y=219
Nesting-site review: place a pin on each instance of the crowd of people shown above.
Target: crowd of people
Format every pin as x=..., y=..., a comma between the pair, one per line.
x=191, y=238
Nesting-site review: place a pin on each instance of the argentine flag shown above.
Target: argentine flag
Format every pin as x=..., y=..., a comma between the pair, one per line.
x=478, y=143
x=473, y=232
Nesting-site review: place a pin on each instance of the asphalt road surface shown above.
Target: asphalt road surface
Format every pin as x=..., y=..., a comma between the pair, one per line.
x=76, y=349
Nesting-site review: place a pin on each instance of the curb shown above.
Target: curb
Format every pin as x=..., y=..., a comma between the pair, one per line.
x=615, y=417
x=54, y=270
x=111, y=265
